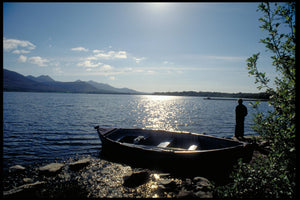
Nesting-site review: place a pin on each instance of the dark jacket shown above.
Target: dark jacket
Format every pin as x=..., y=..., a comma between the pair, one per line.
x=240, y=113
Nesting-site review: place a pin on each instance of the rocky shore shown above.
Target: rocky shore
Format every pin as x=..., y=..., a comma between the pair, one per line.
x=90, y=177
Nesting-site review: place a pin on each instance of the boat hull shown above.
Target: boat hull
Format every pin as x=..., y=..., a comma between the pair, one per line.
x=213, y=160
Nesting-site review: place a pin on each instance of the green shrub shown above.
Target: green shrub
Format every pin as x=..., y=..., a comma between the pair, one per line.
x=274, y=175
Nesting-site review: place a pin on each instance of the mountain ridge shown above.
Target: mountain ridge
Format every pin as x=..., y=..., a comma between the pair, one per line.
x=13, y=81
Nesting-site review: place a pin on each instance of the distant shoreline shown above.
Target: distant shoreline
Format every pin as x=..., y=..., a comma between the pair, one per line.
x=234, y=99
x=212, y=96
x=219, y=95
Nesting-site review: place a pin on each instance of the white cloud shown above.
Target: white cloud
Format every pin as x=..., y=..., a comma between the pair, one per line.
x=57, y=70
x=12, y=44
x=120, y=54
x=88, y=63
x=22, y=59
x=138, y=60
x=112, y=78
x=79, y=49
x=106, y=68
x=17, y=51
x=97, y=51
x=38, y=61
x=111, y=55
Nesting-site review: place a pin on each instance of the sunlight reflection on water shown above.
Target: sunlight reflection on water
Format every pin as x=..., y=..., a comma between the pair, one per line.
x=160, y=112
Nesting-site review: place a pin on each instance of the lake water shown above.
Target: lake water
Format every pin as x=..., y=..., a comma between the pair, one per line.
x=55, y=126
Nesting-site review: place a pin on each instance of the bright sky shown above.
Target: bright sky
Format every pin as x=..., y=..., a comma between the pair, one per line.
x=149, y=47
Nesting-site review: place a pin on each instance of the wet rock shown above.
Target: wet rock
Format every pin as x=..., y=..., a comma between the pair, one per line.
x=52, y=168
x=16, y=169
x=185, y=194
x=27, y=180
x=136, y=179
x=188, y=181
x=165, y=181
x=202, y=194
x=201, y=181
x=79, y=164
x=127, y=175
x=22, y=188
x=167, y=184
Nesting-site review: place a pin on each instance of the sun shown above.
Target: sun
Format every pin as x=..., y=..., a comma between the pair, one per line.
x=158, y=5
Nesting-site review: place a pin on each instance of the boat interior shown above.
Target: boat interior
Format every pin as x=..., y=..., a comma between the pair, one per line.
x=172, y=140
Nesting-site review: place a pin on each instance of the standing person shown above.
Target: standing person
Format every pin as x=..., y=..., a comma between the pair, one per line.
x=240, y=114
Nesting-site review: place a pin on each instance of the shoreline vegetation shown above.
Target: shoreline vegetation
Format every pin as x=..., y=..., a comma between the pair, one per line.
x=219, y=95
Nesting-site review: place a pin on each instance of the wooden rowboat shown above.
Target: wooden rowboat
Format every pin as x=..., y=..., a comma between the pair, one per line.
x=172, y=149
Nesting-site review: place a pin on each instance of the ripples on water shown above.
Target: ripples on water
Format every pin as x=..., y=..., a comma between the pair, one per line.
x=39, y=126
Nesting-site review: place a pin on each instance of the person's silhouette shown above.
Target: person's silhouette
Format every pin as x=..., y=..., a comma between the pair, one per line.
x=240, y=113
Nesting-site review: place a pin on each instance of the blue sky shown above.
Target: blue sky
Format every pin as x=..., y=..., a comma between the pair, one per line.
x=143, y=46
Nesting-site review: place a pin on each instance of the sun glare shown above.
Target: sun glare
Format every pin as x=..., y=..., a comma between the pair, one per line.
x=159, y=6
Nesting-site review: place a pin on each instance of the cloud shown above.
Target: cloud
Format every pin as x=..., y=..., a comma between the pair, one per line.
x=112, y=78
x=88, y=63
x=12, y=44
x=228, y=58
x=20, y=51
x=22, y=59
x=97, y=51
x=111, y=55
x=138, y=60
x=106, y=68
x=38, y=61
x=57, y=70
x=79, y=49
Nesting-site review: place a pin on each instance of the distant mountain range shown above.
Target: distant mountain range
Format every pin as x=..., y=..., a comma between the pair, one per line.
x=13, y=81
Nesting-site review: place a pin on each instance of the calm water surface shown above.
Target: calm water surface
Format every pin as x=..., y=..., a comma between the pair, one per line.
x=54, y=126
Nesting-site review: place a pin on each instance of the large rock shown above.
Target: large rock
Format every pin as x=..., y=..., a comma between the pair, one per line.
x=52, y=168
x=16, y=169
x=201, y=183
x=136, y=179
x=79, y=164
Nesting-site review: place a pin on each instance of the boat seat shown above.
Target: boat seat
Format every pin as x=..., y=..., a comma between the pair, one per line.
x=192, y=147
x=164, y=144
x=140, y=139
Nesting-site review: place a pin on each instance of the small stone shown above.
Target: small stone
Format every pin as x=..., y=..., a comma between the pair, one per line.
x=51, y=168
x=27, y=180
x=202, y=194
x=201, y=181
x=165, y=181
x=17, y=168
x=185, y=194
x=161, y=187
x=188, y=181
